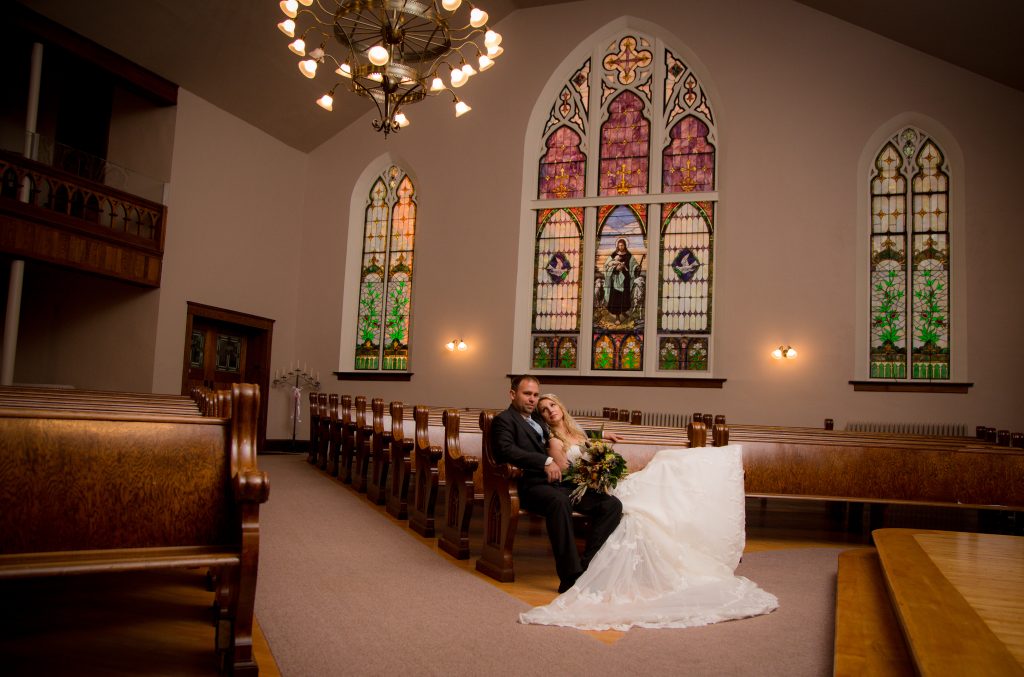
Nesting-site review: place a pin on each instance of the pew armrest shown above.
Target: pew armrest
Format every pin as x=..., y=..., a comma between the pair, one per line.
x=252, y=486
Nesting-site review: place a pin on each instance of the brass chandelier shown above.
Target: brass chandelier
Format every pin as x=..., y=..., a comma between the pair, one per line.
x=394, y=52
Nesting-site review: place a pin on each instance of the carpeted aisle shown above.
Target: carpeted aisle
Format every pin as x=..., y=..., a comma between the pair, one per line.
x=344, y=591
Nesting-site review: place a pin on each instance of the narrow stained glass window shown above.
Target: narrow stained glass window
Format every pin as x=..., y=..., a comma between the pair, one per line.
x=930, y=305
x=684, y=302
x=385, y=283
x=620, y=276
x=557, y=288
x=909, y=170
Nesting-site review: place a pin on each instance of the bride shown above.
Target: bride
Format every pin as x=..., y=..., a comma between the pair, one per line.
x=670, y=563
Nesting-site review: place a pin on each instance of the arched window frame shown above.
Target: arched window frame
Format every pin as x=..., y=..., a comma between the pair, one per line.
x=358, y=208
x=958, y=229
x=591, y=51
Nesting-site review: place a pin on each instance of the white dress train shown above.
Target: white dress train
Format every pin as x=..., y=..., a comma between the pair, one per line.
x=670, y=562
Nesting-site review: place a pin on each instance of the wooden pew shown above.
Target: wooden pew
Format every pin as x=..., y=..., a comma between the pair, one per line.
x=426, y=476
x=461, y=490
x=333, y=435
x=346, y=451
x=380, y=454
x=137, y=492
x=361, y=446
x=97, y=400
x=399, y=482
x=323, y=429
x=314, y=426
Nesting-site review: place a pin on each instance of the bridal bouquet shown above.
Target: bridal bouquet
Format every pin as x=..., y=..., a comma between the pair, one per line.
x=600, y=468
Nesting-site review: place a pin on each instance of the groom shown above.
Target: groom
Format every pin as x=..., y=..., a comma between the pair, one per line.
x=517, y=437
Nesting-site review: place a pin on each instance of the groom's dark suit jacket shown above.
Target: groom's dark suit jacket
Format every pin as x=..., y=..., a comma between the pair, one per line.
x=514, y=441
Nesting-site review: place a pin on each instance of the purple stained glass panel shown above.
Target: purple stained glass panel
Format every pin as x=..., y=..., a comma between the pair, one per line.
x=625, y=144
x=688, y=163
x=563, y=169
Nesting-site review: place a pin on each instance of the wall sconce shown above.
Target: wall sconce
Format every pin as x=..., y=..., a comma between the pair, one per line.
x=456, y=344
x=787, y=352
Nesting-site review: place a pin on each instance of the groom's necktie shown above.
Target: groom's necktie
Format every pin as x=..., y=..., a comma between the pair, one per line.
x=536, y=428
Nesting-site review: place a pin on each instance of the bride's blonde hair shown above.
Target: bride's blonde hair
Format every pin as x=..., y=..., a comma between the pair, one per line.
x=570, y=427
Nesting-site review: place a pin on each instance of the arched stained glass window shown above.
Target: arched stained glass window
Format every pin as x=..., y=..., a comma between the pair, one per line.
x=910, y=170
x=557, y=286
x=645, y=112
x=385, y=281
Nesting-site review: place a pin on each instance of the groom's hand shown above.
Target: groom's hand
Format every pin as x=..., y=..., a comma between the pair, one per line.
x=553, y=471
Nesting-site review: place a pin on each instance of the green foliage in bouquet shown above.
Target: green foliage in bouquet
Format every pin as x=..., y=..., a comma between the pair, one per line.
x=600, y=468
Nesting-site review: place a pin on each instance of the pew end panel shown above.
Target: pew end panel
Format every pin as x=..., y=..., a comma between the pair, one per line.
x=363, y=434
x=380, y=455
x=501, y=509
x=461, y=490
x=397, y=499
x=426, y=476
x=348, y=440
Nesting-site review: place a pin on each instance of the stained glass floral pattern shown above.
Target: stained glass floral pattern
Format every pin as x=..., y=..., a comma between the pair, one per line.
x=385, y=288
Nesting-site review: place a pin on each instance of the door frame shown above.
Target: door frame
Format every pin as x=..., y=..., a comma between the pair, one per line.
x=258, y=356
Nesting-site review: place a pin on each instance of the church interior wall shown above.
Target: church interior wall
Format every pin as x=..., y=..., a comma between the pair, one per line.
x=798, y=94
x=234, y=207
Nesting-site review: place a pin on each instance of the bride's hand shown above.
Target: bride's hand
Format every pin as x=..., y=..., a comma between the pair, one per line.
x=613, y=437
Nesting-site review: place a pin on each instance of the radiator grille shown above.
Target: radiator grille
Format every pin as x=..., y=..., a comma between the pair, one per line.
x=649, y=418
x=932, y=429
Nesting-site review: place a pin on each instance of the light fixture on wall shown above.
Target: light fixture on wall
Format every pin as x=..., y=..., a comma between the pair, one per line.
x=456, y=344
x=784, y=352
x=391, y=51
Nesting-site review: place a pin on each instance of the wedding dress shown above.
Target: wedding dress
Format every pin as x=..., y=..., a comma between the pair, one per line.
x=670, y=561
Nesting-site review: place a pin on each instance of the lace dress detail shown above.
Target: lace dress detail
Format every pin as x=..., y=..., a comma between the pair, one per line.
x=670, y=562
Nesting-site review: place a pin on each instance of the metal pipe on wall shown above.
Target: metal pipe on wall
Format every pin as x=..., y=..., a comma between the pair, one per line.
x=17, y=277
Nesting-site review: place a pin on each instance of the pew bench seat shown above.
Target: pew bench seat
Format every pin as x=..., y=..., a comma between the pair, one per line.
x=84, y=492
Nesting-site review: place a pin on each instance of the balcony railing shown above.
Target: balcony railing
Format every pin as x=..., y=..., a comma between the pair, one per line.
x=62, y=217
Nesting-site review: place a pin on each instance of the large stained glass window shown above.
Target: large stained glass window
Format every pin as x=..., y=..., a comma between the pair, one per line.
x=646, y=114
x=910, y=259
x=385, y=280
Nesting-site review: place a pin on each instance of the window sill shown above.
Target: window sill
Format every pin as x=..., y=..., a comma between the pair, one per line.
x=910, y=387
x=637, y=381
x=374, y=375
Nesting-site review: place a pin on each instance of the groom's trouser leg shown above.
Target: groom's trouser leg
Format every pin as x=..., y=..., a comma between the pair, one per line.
x=552, y=501
x=604, y=512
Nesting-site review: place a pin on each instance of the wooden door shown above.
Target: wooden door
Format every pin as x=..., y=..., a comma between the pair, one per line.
x=218, y=353
x=224, y=347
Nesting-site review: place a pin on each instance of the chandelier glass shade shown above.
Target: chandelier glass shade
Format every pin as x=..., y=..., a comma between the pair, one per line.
x=394, y=52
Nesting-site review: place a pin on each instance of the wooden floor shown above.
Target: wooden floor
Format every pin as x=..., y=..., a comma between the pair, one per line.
x=160, y=623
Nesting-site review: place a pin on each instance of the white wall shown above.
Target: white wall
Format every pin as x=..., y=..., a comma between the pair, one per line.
x=799, y=95
x=233, y=236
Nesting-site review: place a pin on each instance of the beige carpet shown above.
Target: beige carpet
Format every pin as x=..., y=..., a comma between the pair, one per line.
x=345, y=591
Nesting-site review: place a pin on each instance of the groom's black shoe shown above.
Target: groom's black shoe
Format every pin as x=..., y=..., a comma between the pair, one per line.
x=568, y=583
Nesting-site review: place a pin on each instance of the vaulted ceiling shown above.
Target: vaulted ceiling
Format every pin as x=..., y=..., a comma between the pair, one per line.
x=229, y=51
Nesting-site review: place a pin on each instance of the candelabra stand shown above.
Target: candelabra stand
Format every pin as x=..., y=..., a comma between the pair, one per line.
x=296, y=378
